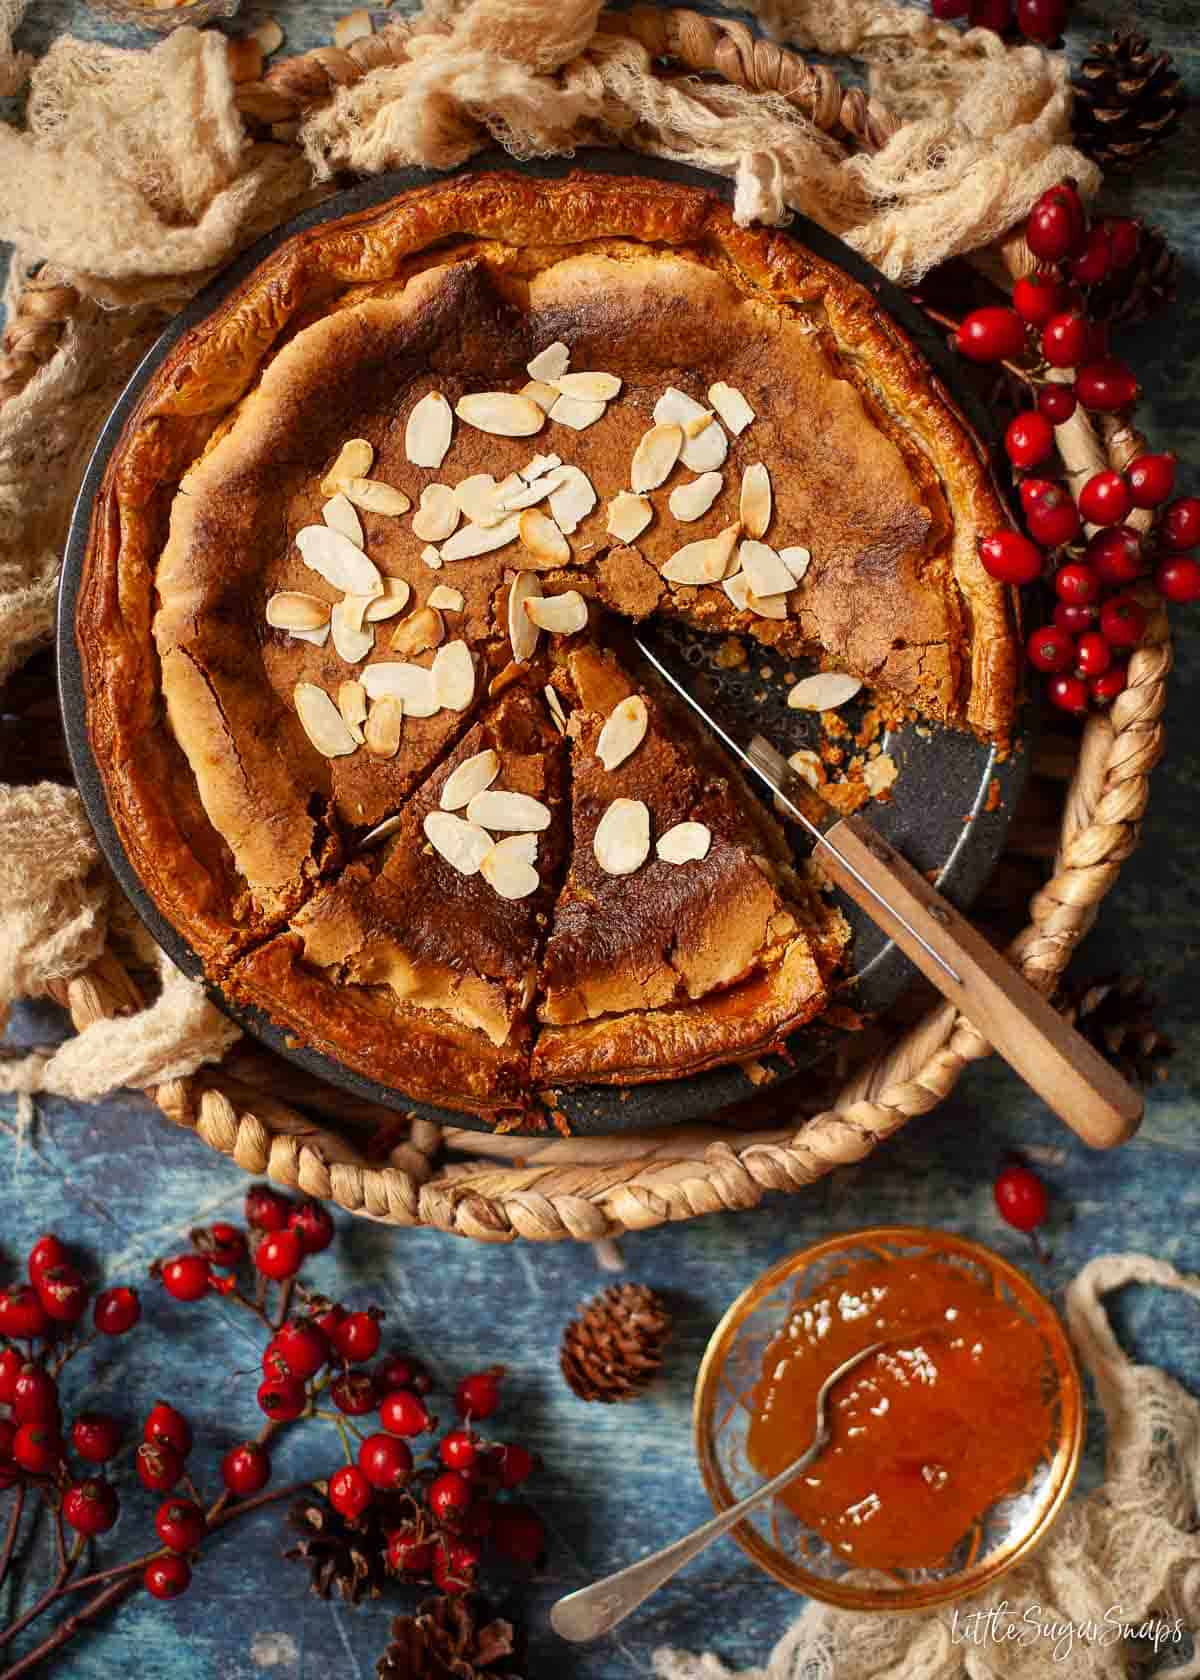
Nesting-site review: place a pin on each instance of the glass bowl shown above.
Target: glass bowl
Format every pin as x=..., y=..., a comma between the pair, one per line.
x=772, y=1535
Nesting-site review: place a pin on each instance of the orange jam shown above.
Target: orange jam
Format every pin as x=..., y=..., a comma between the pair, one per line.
x=927, y=1434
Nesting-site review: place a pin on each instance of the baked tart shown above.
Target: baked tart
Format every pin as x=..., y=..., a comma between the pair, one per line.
x=365, y=554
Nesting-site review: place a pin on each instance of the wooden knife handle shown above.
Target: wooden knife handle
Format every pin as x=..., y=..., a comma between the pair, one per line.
x=1056, y=1061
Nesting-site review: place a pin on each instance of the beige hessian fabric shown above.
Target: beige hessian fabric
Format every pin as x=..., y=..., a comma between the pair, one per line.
x=135, y=177
x=1129, y=1552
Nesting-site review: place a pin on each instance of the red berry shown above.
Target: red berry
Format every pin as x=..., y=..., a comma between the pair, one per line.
x=10, y=1368
x=403, y=1413
x=22, y=1315
x=313, y=1224
x=1050, y=649
x=1069, y=694
x=449, y=1496
x=302, y=1347
x=63, y=1293
x=1021, y=1198
x=990, y=14
x=186, y=1277
x=478, y=1395
x=224, y=1244
x=1056, y=402
x=246, y=1469
x=47, y=1251
x=282, y=1398
x=328, y=1318
x=1029, y=439
x=95, y=1436
x=990, y=335
x=407, y=1553
x=1010, y=557
x=385, y=1461
x=180, y=1524
x=357, y=1337
x=273, y=1362
x=267, y=1209
x=167, y=1577
x=458, y=1449
x=159, y=1466
x=1178, y=578
x=354, y=1393
x=1151, y=479
x=1033, y=489
x=1123, y=621
x=1036, y=297
x=279, y=1255
x=1076, y=583
x=454, y=1566
x=91, y=1507
x=1093, y=656
x=38, y=1448
x=1041, y=20
x=35, y=1396
x=479, y=1520
x=116, y=1311
x=1075, y=620
x=1116, y=555
x=167, y=1427
x=1105, y=688
x=1105, y=499
x=350, y=1492
x=1097, y=345
x=1095, y=260
x=1180, y=529
x=1053, y=519
x=515, y=1464
x=1056, y=224
x=1106, y=385
x=518, y=1535
x=1124, y=239
x=398, y=1372
x=1065, y=339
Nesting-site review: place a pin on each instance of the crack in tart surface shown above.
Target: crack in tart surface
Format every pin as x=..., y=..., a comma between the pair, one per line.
x=257, y=599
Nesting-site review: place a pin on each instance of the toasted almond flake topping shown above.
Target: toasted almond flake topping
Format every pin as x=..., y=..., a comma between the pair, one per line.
x=808, y=765
x=373, y=496
x=420, y=631
x=507, y=868
x=732, y=406
x=292, y=610
x=704, y=450
x=411, y=683
x=562, y=614
x=446, y=599
x=471, y=540
x=572, y=501
x=355, y=460
x=541, y=537
x=687, y=842
x=796, y=560
x=384, y=726
x=453, y=673
x=517, y=813
x=427, y=435
x=432, y=559
x=500, y=413
x=576, y=412
x=437, y=515
x=338, y=560
x=693, y=500
x=472, y=776
x=393, y=600
x=346, y=623
x=462, y=844
x=755, y=506
x=338, y=513
x=540, y=466
x=322, y=722
x=550, y=363
x=824, y=692
x=692, y=428
x=879, y=773
x=705, y=561
x=738, y=590
x=318, y=638
x=623, y=733
x=353, y=27
x=628, y=516
x=352, y=703
x=765, y=571
x=555, y=708
x=622, y=839
x=676, y=407
x=655, y=455
x=588, y=387
x=476, y=496
x=523, y=633
x=525, y=495
x=545, y=396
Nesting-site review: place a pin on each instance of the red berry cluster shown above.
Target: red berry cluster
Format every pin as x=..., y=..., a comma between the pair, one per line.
x=1042, y=21
x=1121, y=526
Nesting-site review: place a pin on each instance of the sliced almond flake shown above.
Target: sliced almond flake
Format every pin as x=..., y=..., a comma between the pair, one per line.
x=338, y=560
x=292, y=610
x=462, y=844
x=576, y=412
x=353, y=27
x=588, y=387
x=677, y=408
x=352, y=642
x=471, y=540
x=523, y=633
x=622, y=839
x=355, y=459
x=824, y=692
x=796, y=560
x=555, y=707
x=322, y=722
x=755, y=505
x=318, y=638
x=508, y=870
x=687, y=842
x=528, y=494
x=879, y=773
x=550, y=363
x=411, y=683
x=545, y=396
x=655, y=455
x=384, y=726
x=352, y=703
x=692, y=428
x=732, y=406
x=338, y=513
x=446, y=599
x=428, y=432
x=500, y=413
x=476, y=496
x=541, y=537
x=437, y=515
x=572, y=501
x=693, y=500
x=765, y=572
x=432, y=559
x=737, y=588
x=540, y=466
x=269, y=36
x=628, y=516
x=706, y=450
x=516, y=813
x=393, y=600
x=420, y=631
x=373, y=496
x=705, y=561
x=562, y=615
x=453, y=673
x=623, y=733
x=472, y=776
x=808, y=765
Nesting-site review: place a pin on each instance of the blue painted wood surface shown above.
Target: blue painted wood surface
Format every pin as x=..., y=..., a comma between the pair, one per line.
x=620, y=1481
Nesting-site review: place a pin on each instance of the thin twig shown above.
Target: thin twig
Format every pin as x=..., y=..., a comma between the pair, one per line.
x=285, y=1301
x=10, y=1539
x=1023, y=374
x=98, y=1605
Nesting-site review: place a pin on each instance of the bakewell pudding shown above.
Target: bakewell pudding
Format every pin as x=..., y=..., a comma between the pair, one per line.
x=367, y=553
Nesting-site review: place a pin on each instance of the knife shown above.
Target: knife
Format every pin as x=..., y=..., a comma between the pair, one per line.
x=1069, y=1075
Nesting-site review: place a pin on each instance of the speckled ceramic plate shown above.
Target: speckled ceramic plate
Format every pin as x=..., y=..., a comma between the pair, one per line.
x=951, y=803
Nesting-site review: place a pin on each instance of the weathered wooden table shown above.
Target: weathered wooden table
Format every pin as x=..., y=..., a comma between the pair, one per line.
x=621, y=1481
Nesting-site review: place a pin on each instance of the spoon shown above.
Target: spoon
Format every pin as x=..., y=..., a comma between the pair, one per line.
x=591, y=1611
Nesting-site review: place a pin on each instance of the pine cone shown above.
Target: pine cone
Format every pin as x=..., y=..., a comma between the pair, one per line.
x=613, y=1349
x=346, y=1559
x=1116, y=1015
x=1128, y=98
x=1143, y=289
x=447, y=1639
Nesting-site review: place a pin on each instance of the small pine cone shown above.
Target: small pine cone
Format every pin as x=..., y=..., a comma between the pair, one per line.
x=614, y=1347
x=343, y=1559
x=1143, y=289
x=1116, y=1015
x=1128, y=99
x=448, y=1639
